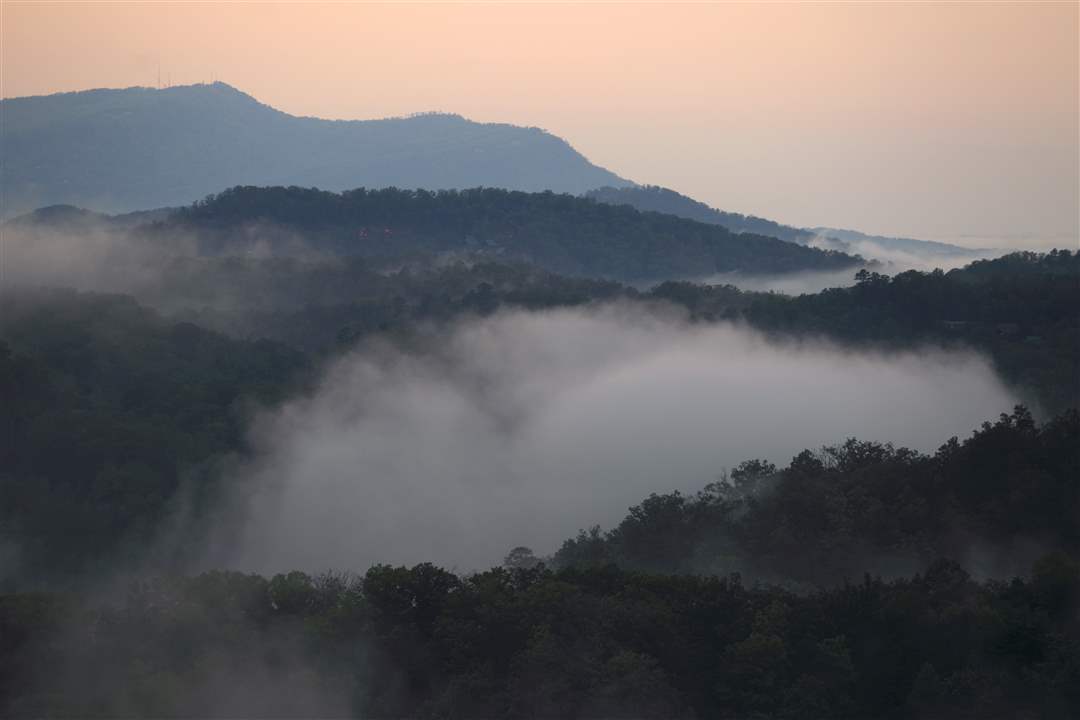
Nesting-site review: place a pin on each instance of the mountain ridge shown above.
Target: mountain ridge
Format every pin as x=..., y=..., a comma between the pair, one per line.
x=561, y=233
x=876, y=247
x=120, y=150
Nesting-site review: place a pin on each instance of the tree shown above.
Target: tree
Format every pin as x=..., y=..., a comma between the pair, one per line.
x=520, y=558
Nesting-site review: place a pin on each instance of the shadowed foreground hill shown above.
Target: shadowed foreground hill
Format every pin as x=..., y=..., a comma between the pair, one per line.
x=421, y=642
x=994, y=501
x=593, y=639
x=111, y=410
x=107, y=409
x=138, y=148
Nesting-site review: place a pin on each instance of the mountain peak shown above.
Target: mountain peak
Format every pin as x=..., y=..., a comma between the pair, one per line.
x=165, y=147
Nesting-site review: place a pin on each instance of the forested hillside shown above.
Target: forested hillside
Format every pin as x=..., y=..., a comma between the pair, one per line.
x=109, y=411
x=1020, y=309
x=123, y=424
x=114, y=410
x=602, y=642
x=994, y=501
x=657, y=199
x=560, y=233
x=557, y=233
x=324, y=307
x=427, y=417
x=875, y=247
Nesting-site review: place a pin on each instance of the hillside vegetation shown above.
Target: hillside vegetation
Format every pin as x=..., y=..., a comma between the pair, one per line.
x=560, y=233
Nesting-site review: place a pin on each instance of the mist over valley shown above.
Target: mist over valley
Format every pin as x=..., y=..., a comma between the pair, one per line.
x=432, y=417
x=522, y=428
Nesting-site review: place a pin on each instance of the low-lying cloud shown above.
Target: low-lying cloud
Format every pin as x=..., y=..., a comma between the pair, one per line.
x=521, y=428
x=903, y=255
x=93, y=257
x=889, y=261
x=793, y=283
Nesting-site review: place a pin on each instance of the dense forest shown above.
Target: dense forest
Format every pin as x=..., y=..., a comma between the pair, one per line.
x=320, y=307
x=858, y=580
x=316, y=269
x=420, y=416
x=560, y=233
x=1010, y=491
x=513, y=642
x=114, y=408
x=1020, y=309
x=608, y=630
x=108, y=412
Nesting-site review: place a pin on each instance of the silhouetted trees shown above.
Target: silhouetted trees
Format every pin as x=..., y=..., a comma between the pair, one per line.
x=113, y=414
x=560, y=233
x=108, y=410
x=994, y=499
x=1020, y=309
x=600, y=642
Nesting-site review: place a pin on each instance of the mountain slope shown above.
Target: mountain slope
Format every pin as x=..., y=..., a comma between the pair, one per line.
x=852, y=240
x=138, y=148
x=560, y=233
x=659, y=199
x=906, y=251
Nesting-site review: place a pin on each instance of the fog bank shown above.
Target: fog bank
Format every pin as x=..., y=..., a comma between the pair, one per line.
x=795, y=283
x=521, y=428
x=889, y=261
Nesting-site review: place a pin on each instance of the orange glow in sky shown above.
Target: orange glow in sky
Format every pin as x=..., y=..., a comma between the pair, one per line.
x=929, y=120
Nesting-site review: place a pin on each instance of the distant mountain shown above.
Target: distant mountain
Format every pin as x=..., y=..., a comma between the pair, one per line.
x=560, y=233
x=137, y=148
x=846, y=240
x=904, y=251
x=658, y=199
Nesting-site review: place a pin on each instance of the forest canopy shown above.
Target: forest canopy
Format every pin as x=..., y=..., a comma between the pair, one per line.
x=560, y=233
x=860, y=579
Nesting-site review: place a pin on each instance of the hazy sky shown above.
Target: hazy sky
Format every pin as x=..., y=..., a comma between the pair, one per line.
x=931, y=120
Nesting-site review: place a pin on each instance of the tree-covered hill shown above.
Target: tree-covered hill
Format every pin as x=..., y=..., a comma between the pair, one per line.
x=113, y=414
x=560, y=233
x=875, y=247
x=322, y=307
x=111, y=407
x=138, y=148
x=311, y=268
x=1020, y=309
x=108, y=409
x=993, y=501
x=421, y=642
x=658, y=199
x=621, y=628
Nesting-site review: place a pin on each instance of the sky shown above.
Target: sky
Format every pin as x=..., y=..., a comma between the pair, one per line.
x=956, y=121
